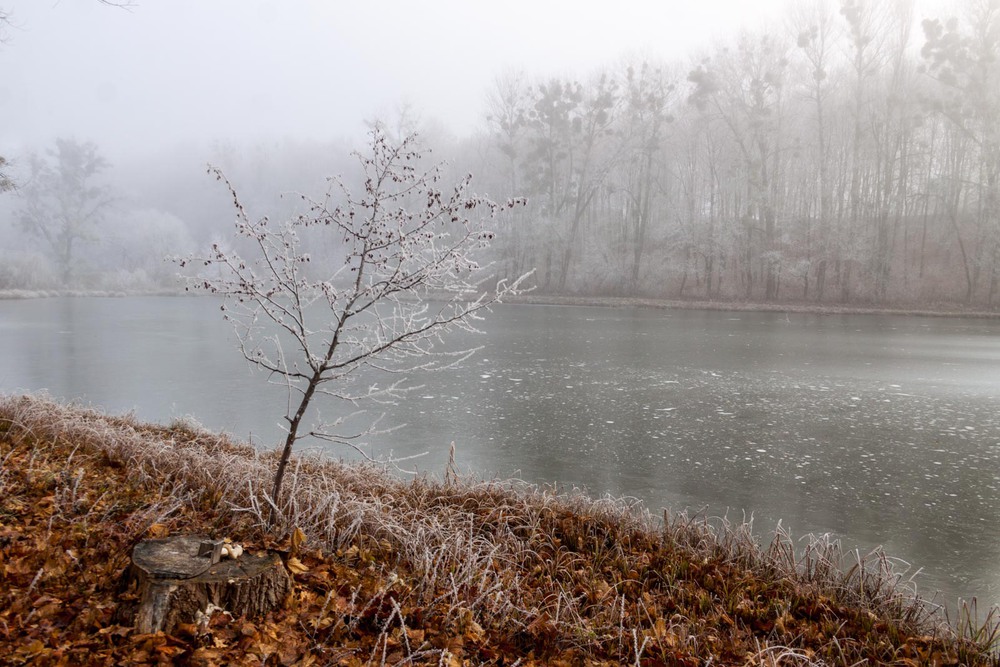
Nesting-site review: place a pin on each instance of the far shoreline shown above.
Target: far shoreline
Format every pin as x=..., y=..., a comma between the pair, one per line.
x=939, y=310
x=725, y=305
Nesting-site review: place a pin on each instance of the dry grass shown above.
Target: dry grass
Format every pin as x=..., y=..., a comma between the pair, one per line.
x=478, y=572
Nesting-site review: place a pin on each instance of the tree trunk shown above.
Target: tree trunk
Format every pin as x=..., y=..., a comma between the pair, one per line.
x=172, y=584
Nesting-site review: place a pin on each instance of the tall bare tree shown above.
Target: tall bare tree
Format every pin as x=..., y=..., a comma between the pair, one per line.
x=571, y=127
x=63, y=202
x=814, y=26
x=649, y=94
x=964, y=56
x=744, y=92
x=508, y=107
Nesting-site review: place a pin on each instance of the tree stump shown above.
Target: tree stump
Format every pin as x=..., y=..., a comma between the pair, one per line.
x=175, y=578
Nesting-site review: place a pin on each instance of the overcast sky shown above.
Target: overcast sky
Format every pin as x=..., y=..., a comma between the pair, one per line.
x=172, y=71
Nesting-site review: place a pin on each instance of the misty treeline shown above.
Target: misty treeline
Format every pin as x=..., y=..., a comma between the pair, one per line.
x=850, y=154
x=75, y=221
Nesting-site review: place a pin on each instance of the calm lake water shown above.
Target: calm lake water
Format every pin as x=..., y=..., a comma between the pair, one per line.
x=881, y=430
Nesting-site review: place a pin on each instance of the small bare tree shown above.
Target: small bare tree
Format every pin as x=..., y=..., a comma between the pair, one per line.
x=408, y=276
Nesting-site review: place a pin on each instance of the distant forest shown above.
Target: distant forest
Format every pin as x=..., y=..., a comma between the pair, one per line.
x=849, y=155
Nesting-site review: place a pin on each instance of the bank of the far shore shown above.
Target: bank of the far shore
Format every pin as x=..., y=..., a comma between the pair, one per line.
x=20, y=294
x=808, y=307
x=943, y=309
x=419, y=572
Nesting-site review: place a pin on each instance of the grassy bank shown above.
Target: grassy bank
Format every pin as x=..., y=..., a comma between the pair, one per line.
x=419, y=572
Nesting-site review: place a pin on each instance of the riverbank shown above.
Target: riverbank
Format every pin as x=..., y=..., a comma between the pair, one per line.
x=932, y=310
x=418, y=572
x=20, y=294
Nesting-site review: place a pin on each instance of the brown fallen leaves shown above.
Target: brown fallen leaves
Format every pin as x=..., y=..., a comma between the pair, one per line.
x=585, y=592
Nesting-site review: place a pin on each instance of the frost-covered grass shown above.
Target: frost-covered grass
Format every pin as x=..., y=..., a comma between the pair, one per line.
x=483, y=571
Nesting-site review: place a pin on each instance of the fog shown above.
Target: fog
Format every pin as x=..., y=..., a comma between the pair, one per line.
x=819, y=152
x=157, y=74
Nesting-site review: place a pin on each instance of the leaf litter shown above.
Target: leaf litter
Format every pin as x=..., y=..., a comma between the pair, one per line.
x=392, y=572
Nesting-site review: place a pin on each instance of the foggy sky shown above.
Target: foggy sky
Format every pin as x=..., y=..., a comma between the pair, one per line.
x=161, y=73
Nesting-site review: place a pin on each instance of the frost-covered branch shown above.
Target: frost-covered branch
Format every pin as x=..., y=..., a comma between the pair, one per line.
x=409, y=276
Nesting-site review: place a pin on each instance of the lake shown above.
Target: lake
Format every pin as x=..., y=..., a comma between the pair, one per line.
x=882, y=430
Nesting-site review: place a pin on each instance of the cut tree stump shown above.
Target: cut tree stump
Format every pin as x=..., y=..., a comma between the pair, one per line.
x=175, y=578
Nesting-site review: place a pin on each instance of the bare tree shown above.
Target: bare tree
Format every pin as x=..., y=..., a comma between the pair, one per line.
x=6, y=182
x=62, y=204
x=570, y=131
x=963, y=57
x=408, y=276
x=649, y=94
x=508, y=105
x=744, y=92
x=814, y=27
